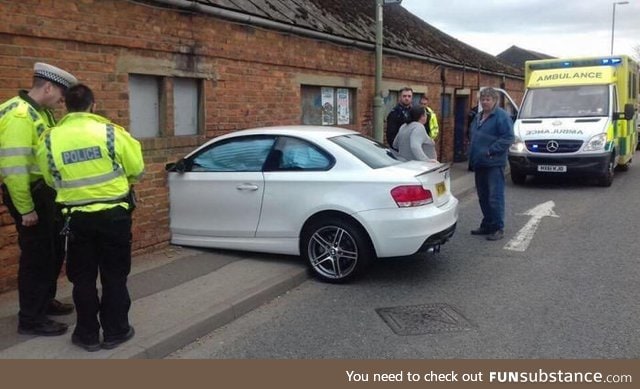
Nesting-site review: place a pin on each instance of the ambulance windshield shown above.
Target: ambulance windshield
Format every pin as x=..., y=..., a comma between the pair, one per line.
x=566, y=101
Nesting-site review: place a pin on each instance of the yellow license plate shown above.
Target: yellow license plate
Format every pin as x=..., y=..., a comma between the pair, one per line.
x=441, y=188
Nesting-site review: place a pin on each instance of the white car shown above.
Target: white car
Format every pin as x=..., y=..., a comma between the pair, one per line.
x=333, y=196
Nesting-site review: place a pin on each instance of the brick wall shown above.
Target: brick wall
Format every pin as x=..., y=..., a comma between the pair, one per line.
x=252, y=80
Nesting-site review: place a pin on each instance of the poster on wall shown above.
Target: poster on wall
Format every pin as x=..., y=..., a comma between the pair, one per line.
x=328, y=114
x=343, y=106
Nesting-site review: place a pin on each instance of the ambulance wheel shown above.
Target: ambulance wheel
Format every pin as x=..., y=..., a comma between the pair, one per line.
x=517, y=177
x=624, y=167
x=607, y=178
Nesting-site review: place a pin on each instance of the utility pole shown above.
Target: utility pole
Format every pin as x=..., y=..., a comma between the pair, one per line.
x=378, y=101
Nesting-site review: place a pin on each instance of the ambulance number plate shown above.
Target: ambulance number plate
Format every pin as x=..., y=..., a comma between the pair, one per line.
x=552, y=168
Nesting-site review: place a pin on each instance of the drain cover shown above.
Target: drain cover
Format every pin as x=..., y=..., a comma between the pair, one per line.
x=424, y=319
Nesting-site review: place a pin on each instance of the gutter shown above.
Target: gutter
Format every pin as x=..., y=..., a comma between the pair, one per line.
x=270, y=24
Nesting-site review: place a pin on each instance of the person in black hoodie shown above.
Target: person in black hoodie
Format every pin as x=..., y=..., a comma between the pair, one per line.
x=399, y=115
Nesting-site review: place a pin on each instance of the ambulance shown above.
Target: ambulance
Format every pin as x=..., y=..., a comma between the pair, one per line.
x=577, y=117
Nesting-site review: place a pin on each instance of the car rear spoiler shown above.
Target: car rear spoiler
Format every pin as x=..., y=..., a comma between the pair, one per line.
x=441, y=168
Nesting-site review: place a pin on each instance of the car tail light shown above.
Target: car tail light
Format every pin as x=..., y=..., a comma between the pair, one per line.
x=411, y=196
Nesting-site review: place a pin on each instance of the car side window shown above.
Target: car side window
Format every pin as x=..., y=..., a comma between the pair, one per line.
x=246, y=154
x=297, y=154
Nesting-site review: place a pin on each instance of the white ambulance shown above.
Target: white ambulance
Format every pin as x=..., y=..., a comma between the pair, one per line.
x=577, y=117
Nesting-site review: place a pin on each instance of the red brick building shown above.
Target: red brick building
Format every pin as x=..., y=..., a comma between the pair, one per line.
x=178, y=72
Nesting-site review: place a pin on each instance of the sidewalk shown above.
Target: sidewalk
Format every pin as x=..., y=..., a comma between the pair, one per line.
x=178, y=295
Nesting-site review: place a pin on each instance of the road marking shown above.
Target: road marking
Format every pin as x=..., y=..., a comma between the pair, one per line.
x=522, y=239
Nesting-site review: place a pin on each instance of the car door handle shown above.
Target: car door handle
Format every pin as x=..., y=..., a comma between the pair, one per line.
x=251, y=187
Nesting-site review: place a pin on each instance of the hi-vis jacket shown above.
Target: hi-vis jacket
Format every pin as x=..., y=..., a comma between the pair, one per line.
x=22, y=121
x=90, y=162
x=432, y=126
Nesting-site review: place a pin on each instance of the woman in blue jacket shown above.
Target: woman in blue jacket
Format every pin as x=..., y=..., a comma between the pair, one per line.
x=491, y=136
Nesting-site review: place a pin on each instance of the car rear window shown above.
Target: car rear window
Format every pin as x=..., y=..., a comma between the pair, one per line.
x=371, y=152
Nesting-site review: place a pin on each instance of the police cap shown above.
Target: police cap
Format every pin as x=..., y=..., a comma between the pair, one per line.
x=54, y=74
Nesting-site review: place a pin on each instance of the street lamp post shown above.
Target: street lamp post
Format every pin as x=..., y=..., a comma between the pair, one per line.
x=613, y=20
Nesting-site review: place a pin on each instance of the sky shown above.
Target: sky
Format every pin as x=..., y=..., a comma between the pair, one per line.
x=560, y=28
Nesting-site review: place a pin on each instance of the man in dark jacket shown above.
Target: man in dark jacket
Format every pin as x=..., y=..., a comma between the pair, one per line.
x=399, y=115
x=491, y=136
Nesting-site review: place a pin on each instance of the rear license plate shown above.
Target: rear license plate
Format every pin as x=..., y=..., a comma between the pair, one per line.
x=552, y=168
x=441, y=188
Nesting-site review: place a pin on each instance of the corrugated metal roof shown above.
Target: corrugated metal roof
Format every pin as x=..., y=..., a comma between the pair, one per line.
x=355, y=20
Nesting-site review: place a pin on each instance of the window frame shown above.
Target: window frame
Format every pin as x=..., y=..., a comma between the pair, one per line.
x=276, y=147
x=190, y=161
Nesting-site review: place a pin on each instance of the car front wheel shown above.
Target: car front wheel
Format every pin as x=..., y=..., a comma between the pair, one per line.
x=336, y=249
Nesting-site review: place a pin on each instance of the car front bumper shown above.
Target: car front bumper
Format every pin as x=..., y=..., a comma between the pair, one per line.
x=575, y=164
x=405, y=231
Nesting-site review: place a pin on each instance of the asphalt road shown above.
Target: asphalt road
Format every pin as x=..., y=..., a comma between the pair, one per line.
x=573, y=293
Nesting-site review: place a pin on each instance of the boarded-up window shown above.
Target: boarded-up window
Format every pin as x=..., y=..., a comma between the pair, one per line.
x=144, y=105
x=327, y=106
x=186, y=106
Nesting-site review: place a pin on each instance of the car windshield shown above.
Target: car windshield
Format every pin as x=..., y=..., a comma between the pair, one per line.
x=567, y=101
x=373, y=153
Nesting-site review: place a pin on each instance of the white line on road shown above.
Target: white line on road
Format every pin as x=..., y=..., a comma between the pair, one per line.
x=522, y=239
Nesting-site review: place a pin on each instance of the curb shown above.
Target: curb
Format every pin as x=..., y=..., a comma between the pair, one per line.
x=165, y=342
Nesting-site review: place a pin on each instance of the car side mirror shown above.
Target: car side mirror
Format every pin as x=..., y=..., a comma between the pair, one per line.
x=629, y=111
x=180, y=166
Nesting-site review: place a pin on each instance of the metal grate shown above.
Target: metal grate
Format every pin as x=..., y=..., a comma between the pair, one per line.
x=424, y=319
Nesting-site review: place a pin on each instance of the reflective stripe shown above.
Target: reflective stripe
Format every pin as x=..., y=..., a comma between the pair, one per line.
x=33, y=113
x=8, y=108
x=89, y=181
x=111, y=148
x=15, y=151
x=52, y=165
x=106, y=200
x=40, y=129
x=35, y=169
x=8, y=171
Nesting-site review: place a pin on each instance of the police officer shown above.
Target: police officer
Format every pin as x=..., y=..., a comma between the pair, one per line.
x=433, y=130
x=30, y=202
x=92, y=164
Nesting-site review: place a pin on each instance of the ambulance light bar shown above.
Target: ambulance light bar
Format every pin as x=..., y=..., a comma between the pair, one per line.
x=611, y=61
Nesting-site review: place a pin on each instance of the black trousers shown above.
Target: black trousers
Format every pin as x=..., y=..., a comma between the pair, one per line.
x=100, y=243
x=41, y=254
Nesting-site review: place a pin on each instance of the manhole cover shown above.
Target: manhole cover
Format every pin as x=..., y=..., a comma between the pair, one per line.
x=424, y=319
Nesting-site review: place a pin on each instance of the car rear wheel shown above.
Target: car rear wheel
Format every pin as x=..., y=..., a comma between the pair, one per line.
x=336, y=249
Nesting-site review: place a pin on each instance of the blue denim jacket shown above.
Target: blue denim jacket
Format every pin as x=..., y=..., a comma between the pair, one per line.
x=490, y=140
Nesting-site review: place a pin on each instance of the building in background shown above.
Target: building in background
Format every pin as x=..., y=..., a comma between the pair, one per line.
x=516, y=56
x=176, y=73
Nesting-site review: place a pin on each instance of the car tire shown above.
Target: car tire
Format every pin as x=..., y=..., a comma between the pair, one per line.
x=336, y=249
x=517, y=177
x=606, y=179
x=624, y=167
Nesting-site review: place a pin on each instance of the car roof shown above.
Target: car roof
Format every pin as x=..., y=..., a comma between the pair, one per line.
x=295, y=130
x=302, y=131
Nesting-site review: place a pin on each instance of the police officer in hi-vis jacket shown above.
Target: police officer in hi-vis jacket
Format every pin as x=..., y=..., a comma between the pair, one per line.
x=30, y=202
x=92, y=163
